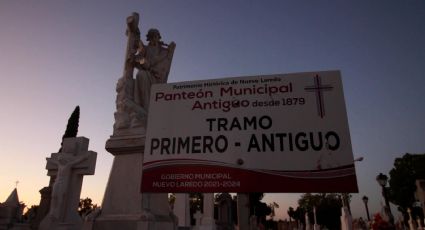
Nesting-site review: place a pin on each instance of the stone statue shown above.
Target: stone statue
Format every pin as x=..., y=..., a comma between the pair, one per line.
x=64, y=162
x=124, y=206
x=69, y=168
x=153, y=62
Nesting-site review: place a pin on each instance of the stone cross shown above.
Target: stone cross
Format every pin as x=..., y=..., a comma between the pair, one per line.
x=69, y=167
x=198, y=215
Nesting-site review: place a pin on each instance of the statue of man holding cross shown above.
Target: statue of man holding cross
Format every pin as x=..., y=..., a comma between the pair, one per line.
x=153, y=62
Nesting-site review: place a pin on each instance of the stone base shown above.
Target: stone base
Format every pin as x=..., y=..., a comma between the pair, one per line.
x=49, y=223
x=205, y=227
x=122, y=206
x=20, y=226
x=127, y=222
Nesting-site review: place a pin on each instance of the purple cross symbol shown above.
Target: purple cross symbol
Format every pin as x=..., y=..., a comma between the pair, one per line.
x=318, y=88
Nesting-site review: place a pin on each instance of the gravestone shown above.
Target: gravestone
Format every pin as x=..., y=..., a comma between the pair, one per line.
x=182, y=210
x=243, y=211
x=198, y=216
x=124, y=206
x=208, y=221
x=69, y=167
x=205, y=220
x=224, y=220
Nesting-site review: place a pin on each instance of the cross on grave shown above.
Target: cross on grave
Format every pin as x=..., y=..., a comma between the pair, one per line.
x=68, y=167
x=318, y=88
x=198, y=216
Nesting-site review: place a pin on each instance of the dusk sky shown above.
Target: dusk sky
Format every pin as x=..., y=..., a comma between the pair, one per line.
x=57, y=54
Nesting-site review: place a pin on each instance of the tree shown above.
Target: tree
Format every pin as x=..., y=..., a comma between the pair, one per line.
x=328, y=209
x=85, y=206
x=31, y=213
x=296, y=214
x=271, y=223
x=258, y=208
x=403, y=176
x=72, y=125
x=272, y=206
x=291, y=214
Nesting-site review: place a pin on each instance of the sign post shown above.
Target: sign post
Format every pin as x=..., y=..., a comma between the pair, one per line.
x=271, y=133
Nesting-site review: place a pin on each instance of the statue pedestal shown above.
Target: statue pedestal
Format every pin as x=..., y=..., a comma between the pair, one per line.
x=20, y=226
x=124, y=206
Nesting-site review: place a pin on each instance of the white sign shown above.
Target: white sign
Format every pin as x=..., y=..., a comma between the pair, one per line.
x=272, y=133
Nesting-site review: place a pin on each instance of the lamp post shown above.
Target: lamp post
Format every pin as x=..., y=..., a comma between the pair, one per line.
x=365, y=200
x=382, y=180
x=345, y=197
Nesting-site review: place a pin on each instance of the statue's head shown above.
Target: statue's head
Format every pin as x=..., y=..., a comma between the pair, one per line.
x=62, y=159
x=152, y=33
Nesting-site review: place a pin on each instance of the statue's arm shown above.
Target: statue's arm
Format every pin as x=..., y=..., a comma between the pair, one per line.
x=51, y=160
x=139, y=57
x=79, y=159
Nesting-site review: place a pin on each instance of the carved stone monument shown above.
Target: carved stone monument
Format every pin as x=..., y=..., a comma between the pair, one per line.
x=243, y=210
x=208, y=221
x=69, y=167
x=198, y=216
x=224, y=219
x=10, y=211
x=182, y=210
x=153, y=62
x=124, y=206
